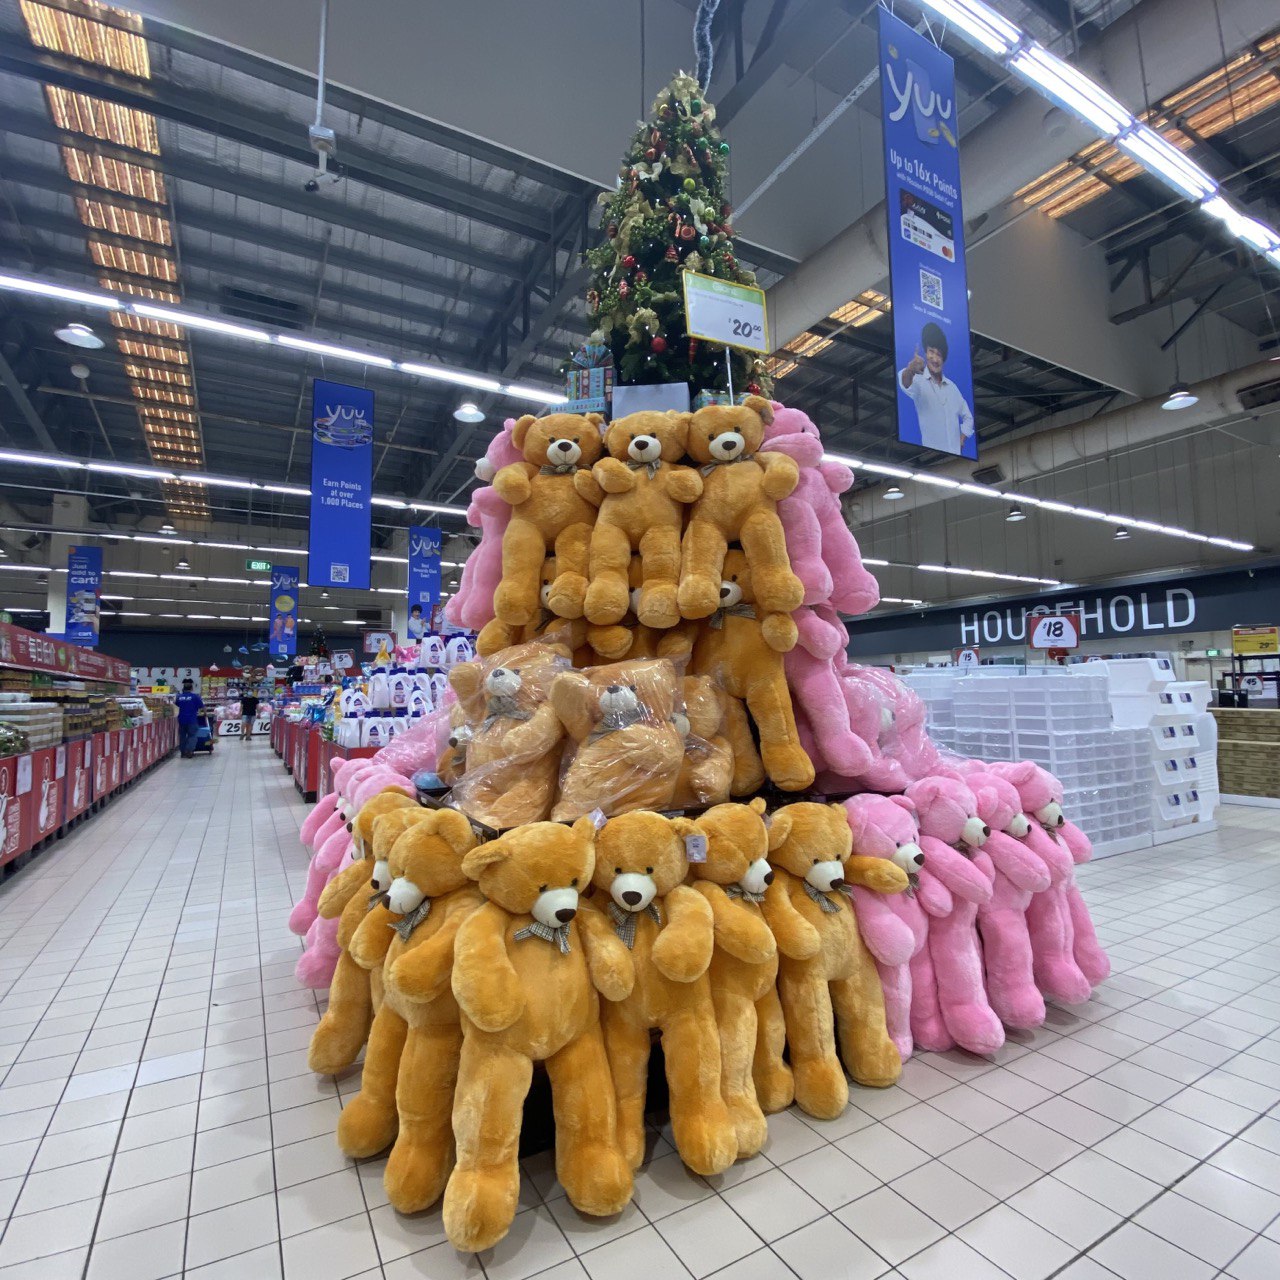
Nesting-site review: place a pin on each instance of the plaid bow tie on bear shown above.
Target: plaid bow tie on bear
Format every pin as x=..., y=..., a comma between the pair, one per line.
x=707, y=468
x=557, y=468
x=407, y=924
x=737, y=891
x=560, y=935
x=716, y=621
x=624, y=922
x=827, y=905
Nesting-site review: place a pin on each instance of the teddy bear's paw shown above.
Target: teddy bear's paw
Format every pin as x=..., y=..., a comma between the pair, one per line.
x=749, y=1123
x=568, y=596
x=597, y=1179
x=1061, y=980
x=335, y=1046
x=779, y=590
x=513, y=606
x=303, y=916
x=658, y=605
x=698, y=597
x=611, y=643
x=821, y=1088
x=416, y=1174
x=606, y=602
x=706, y=1141
x=1094, y=963
x=315, y=967
x=479, y=1205
x=775, y=1086
x=366, y=1127
x=873, y=1060
x=787, y=765
x=931, y=1035
x=1021, y=1007
x=975, y=1027
x=780, y=632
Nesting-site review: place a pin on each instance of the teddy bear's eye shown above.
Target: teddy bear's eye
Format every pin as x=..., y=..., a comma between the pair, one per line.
x=573, y=884
x=648, y=871
x=575, y=439
x=816, y=861
x=617, y=871
x=542, y=888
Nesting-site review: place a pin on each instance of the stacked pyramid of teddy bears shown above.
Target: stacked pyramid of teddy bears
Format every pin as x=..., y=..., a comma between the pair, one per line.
x=672, y=806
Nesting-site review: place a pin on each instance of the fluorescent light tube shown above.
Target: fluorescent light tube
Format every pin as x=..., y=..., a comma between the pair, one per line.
x=193, y=320
x=883, y=469
x=220, y=482
x=1072, y=89
x=1165, y=161
x=842, y=458
x=939, y=482
x=121, y=469
x=871, y=560
x=291, y=489
x=395, y=504
x=45, y=289
x=329, y=349
x=36, y=459
x=1257, y=235
x=539, y=394
x=459, y=377
x=986, y=28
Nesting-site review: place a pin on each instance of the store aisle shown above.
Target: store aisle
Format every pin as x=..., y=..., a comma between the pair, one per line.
x=157, y=1117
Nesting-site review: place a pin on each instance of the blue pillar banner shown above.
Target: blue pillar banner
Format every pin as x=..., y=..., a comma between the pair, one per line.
x=932, y=371
x=283, y=640
x=84, y=595
x=341, y=485
x=424, y=579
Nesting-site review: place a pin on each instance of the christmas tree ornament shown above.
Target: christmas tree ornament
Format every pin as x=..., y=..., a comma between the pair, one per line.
x=671, y=255
x=690, y=185
x=695, y=106
x=629, y=261
x=704, y=243
x=651, y=153
x=723, y=148
x=686, y=231
x=658, y=345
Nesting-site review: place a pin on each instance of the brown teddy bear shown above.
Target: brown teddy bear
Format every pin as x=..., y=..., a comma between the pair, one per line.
x=342, y=1031
x=742, y=653
x=740, y=490
x=411, y=1062
x=552, y=512
x=706, y=771
x=827, y=979
x=547, y=626
x=645, y=493
x=627, y=638
x=628, y=748
x=513, y=759
x=452, y=761
x=641, y=865
x=733, y=876
x=527, y=967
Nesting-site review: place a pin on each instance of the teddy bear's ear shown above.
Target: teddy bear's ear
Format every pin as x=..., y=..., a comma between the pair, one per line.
x=596, y=420
x=779, y=829
x=585, y=829
x=521, y=430
x=683, y=827
x=456, y=831
x=757, y=806
x=680, y=423
x=905, y=802
x=485, y=855
x=761, y=406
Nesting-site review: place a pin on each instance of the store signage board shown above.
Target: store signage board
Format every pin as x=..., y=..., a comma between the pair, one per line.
x=32, y=651
x=84, y=590
x=283, y=639
x=424, y=578
x=375, y=640
x=1056, y=631
x=1252, y=684
x=967, y=659
x=933, y=373
x=344, y=660
x=341, y=485
x=1255, y=642
x=722, y=311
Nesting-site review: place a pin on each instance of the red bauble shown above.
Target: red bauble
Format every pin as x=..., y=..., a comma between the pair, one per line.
x=753, y=388
x=651, y=154
x=629, y=261
x=687, y=231
x=658, y=345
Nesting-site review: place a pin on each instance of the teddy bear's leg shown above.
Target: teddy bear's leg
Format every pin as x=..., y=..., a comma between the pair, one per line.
x=660, y=554
x=568, y=592
x=775, y=1085
x=736, y=1023
x=627, y=1044
x=817, y=690
x=866, y=1048
x=1007, y=959
x=1093, y=960
x=609, y=595
x=928, y=1031
x=589, y=1161
x=495, y=635
x=895, y=981
x=1053, y=947
x=700, y=1122
x=821, y=1087
x=804, y=548
x=368, y=1122
x=748, y=768
x=701, y=564
x=770, y=705
x=610, y=643
x=480, y=1200
x=345, y=1025
x=305, y=910
x=777, y=589
x=970, y=1021
x=523, y=551
x=422, y=1158
x=316, y=965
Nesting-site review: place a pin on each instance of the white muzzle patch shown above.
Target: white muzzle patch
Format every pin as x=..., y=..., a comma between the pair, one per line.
x=826, y=876
x=485, y=470
x=381, y=881
x=545, y=595
x=619, y=702
x=560, y=452
x=728, y=446
x=1051, y=815
x=759, y=876
x=974, y=833
x=644, y=449
x=555, y=907
x=404, y=896
x=502, y=682
x=730, y=594
x=633, y=891
x=1019, y=827
x=908, y=857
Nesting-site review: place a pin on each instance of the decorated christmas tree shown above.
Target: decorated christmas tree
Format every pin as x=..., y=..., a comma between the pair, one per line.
x=669, y=215
x=319, y=647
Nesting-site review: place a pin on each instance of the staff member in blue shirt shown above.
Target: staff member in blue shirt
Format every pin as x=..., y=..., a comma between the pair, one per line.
x=190, y=704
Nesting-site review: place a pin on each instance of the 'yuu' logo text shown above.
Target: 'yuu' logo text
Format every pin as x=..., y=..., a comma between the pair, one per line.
x=905, y=93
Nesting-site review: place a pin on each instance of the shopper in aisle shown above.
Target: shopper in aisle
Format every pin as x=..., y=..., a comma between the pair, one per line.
x=248, y=712
x=190, y=704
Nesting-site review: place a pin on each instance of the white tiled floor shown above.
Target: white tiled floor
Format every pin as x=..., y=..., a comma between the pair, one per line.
x=157, y=1117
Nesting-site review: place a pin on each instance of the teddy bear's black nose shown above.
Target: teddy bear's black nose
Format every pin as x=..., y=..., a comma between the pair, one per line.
x=986, y=830
x=724, y=593
x=350, y=827
x=630, y=897
x=768, y=877
x=1061, y=820
x=565, y=914
x=562, y=445
x=614, y=688
x=838, y=882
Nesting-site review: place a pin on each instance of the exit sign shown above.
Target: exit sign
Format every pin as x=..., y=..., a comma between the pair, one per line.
x=258, y=566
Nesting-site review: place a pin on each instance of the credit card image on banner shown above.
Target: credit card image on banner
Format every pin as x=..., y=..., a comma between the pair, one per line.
x=341, y=485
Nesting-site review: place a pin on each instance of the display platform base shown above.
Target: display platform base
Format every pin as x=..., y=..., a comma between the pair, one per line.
x=1253, y=802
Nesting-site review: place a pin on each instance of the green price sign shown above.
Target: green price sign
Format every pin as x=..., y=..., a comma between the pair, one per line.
x=258, y=566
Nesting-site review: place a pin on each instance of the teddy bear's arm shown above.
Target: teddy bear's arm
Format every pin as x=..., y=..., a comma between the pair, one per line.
x=422, y=973
x=372, y=939
x=612, y=970
x=795, y=936
x=588, y=487
x=536, y=736
x=806, y=450
x=611, y=475
x=338, y=892
x=677, y=641
x=485, y=982
x=877, y=874
x=683, y=948
x=781, y=475
x=683, y=484
x=513, y=484
x=741, y=933
x=572, y=705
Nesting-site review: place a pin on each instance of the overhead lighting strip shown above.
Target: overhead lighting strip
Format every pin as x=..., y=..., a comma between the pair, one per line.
x=1028, y=499
x=1082, y=97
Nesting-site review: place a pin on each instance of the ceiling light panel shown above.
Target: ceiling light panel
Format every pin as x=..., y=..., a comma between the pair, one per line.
x=106, y=121
x=134, y=261
x=102, y=215
x=118, y=47
x=119, y=176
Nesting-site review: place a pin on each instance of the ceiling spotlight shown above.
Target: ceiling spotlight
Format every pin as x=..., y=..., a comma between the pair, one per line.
x=79, y=371
x=184, y=563
x=1015, y=514
x=468, y=411
x=79, y=335
x=1180, y=397
x=324, y=595
x=893, y=493
x=1121, y=534
x=167, y=528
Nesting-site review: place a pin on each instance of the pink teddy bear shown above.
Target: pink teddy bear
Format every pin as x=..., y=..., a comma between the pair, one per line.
x=903, y=751
x=893, y=926
x=472, y=603
x=824, y=554
x=948, y=997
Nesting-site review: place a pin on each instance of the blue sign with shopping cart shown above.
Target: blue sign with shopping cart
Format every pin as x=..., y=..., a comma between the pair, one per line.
x=283, y=638
x=932, y=370
x=84, y=595
x=424, y=578
x=341, y=485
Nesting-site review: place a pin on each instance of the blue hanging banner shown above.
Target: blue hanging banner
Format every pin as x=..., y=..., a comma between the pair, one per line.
x=283, y=641
x=933, y=371
x=84, y=592
x=341, y=485
x=424, y=579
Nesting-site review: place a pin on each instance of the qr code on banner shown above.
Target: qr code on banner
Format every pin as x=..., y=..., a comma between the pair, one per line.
x=339, y=573
x=931, y=289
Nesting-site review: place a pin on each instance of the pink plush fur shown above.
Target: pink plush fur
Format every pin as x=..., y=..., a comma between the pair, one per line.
x=823, y=551
x=317, y=837
x=948, y=816
x=318, y=816
x=905, y=752
x=472, y=604
x=320, y=955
